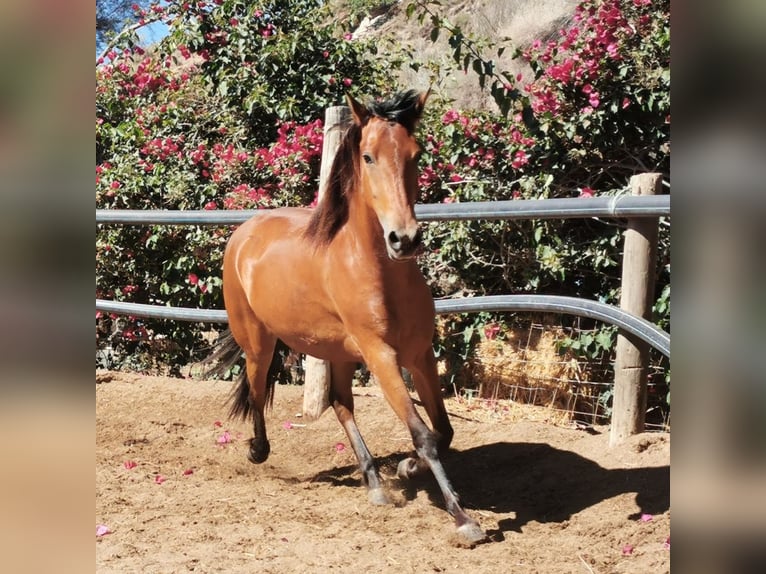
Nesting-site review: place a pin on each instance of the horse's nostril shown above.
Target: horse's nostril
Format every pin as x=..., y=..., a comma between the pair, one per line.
x=393, y=239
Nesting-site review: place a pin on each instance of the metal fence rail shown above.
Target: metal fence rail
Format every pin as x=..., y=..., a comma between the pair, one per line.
x=636, y=326
x=569, y=208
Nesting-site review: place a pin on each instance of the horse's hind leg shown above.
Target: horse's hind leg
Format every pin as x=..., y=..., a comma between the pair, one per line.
x=255, y=390
x=257, y=372
x=342, y=400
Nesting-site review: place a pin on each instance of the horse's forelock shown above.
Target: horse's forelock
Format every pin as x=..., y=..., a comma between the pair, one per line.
x=401, y=108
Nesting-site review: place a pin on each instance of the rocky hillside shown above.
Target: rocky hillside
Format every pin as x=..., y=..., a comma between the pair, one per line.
x=516, y=23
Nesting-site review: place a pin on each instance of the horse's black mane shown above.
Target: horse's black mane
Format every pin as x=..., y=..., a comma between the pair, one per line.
x=332, y=211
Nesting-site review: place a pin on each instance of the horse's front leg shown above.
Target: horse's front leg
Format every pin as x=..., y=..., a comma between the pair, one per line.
x=426, y=379
x=342, y=400
x=382, y=361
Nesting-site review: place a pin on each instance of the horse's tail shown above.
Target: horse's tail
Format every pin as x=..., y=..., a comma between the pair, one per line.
x=228, y=353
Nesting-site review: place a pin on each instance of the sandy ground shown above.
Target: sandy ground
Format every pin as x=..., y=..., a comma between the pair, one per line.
x=553, y=499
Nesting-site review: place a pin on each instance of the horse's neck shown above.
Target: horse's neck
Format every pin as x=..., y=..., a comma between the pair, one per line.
x=365, y=230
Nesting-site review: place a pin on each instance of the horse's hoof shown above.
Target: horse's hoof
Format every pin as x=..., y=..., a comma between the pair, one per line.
x=470, y=534
x=407, y=468
x=259, y=451
x=378, y=497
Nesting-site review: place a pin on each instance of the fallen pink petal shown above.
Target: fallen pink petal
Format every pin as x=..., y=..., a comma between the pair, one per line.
x=287, y=425
x=188, y=471
x=217, y=424
x=646, y=518
x=627, y=550
x=340, y=447
x=224, y=438
x=159, y=479
x=102, y=530
x=128, y=464
x=666, y=544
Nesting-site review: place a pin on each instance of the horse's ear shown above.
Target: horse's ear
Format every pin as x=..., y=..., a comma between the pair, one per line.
x=360, y=112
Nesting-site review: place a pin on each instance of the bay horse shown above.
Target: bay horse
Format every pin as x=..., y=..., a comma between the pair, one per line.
x=340, y=282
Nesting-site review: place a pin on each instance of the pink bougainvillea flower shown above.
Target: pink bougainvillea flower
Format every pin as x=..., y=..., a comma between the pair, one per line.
x=491, y=331
x=188, y=471
x=347, y=82
x=627, y=550
x=520, y=158
x=586, y=192
x=225, y=438
x=102, y=530
x=340, y=447
x=129, y=464
x=193, y=279
x=159, y=479
x=646, y=518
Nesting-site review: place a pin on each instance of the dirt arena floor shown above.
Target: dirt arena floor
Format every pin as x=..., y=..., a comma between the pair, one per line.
x=175, y=492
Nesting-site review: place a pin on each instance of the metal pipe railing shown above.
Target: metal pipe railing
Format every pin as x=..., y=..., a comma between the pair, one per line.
x=569, y=208
x=631, y=324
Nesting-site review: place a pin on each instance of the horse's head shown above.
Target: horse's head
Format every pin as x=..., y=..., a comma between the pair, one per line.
x=388, y=168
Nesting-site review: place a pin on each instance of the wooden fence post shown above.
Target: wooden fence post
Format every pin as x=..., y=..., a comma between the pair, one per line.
x=631, y=355
x=316, y=388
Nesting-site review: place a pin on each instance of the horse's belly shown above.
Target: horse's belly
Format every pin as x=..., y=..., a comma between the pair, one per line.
x=308, y=328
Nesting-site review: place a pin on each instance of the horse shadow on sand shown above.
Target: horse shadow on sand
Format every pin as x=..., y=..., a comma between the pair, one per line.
x=533, y=481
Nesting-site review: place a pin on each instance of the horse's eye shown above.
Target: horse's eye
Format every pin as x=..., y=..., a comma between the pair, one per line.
x=368, y=158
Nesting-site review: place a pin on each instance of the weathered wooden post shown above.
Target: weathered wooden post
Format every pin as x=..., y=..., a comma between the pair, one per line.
x=631, y=355
x=316, y=388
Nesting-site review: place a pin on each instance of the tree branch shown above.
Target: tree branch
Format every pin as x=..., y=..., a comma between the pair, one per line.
x=124, y=32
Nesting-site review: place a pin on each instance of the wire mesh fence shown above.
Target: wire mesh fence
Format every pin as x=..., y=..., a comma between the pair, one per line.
x=534, y=366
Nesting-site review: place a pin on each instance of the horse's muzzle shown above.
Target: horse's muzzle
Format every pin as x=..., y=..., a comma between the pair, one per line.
x=402, y=246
